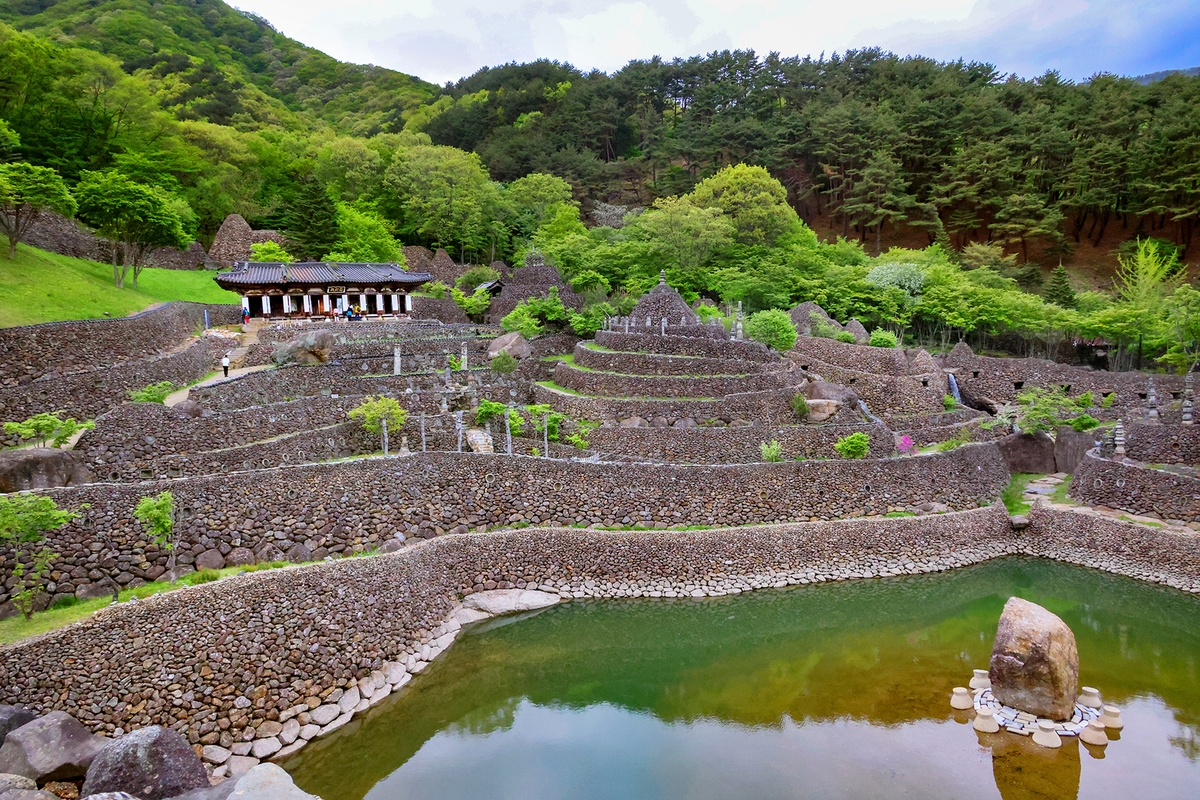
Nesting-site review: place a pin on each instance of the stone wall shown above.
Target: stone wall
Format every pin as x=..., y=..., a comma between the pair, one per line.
x=652, y=364
x=57, y=234
x=444, y=309
x=1080, y=536
x=860, y=358
x=31, y=351
x=533, y=280
x=1163, y=444
x=769, y=406
x=355, y=505
x=686, y=346
x=612, y=384
x=738, y=445
x=218, y=660
x=884, y=394
x=1136, y=488
x=85, y=395
x=1002, y=379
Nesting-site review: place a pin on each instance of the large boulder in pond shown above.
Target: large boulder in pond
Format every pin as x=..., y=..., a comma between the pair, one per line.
x=268, y=782
x=41, y=468
x=55, y=747
x=512, y=343
x=1028, y=452
x=152, y=763
x=311, y=348
x=1034, y=665
x=13, y=717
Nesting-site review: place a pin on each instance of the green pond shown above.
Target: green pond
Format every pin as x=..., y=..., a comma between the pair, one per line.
x=830, y=691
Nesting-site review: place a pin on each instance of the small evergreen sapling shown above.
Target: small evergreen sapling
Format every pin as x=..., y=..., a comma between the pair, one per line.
x=771, y=451
x=1058, y=290
x=157, y=514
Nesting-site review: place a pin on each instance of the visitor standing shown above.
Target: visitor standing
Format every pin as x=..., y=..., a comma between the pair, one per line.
x=245, y=316
x=225, y=364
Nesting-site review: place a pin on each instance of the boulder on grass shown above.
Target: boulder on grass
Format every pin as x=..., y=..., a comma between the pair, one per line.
x=152, y=763
x=1071, y=445
x=41, y=468
x=512, y=343
x=1028, y=452
x=55, y=747
x=1034, y=666
x=13, y=717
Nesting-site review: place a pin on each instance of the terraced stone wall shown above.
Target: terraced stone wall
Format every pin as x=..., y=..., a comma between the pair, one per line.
x=444, y=309
x=685, y=346
x=653, y=364
x=263, y=351
x=1158, y=555
x=884, y=394
x=768, y=407
x=1131, y=487
x=857, y=357
x=31, y=351
x=356, y=505
x=1163, y=443
x=611, y=384
x=218, y=660
x=86, y=395
x=1002, y=379
x=739, y=445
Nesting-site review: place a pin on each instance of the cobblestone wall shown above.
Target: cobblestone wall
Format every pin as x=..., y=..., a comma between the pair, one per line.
x=85, y=395
x=1002, y=379
x=357, y=504
x=443, y=309
x=611, y=384
x=1132, y=487
x=31, y=351
x=769, y=406
x=860, y=358
x=208, y=661
x=738, y=445
x=1163, y=444
x=903, y=394
x=652, y=364
x=685, y=346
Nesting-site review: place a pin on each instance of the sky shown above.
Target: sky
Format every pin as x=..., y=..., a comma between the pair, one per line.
x=444, y=40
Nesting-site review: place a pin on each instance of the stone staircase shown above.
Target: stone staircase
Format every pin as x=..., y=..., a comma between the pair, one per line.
x=480, y=440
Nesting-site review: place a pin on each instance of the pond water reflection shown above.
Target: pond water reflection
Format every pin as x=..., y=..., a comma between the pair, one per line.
x=831, y=691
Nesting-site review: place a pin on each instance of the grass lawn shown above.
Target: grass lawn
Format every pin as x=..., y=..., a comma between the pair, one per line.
x=1013, y=493
x=45, y=287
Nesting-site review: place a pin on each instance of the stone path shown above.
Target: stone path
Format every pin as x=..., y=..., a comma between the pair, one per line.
x=237, y=356
x=1041, y=490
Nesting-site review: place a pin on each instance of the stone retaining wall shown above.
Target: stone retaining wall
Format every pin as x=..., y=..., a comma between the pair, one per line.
x=654, y=364
x=444, y=309
x=857, y=357
x=1136, y=488
x=1163, y=443
x=219, y=660
x=262, y=352
x=85, y=395
x=612, y=384
x=686, y=346
x=770, y=406
x=738, y=445
x=882, y=393
x=355, y=505
x=30, y=351
x=1002, y=379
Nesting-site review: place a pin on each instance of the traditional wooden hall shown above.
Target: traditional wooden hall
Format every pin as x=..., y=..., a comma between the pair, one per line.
x=320, y=289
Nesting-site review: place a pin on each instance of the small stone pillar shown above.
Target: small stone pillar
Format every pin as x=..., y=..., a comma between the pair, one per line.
x=423, y=448
x=664, y=327
x=627, y=324
x=383, y=423
x=458, y=428
x=396, y=361
x=737, y=324
x=508, y=430
x=1188, y=392
x=1119, y=440
x=404, y=451
x=445, y=404
x=447, y=377
x=1151, y=401
x=546, y=435
x=464, y=355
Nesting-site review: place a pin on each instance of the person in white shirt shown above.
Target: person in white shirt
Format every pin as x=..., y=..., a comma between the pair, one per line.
x=225, y=365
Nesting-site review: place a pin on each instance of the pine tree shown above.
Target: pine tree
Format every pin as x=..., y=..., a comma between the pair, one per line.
x=312, y=227
x=1058, y=290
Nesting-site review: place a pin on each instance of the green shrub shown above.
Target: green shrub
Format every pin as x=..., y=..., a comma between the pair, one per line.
x=855, y=445
x=154, y=393
x=844, y=336
x=488, y=409
x=455, y=363
x=1108, y=400
x=951, y=444
x=270, y=252
x=436, y=289
x=504, y=363
x=948, y=402
x=47, y=428
x=773, y=328
x=1085, y=400
x=800, y=406
x=1084, y=422
x=707, y=313
x=883, y=338
x=474, y=305
x=476, y=276
x=771, y=451
x=373, y=410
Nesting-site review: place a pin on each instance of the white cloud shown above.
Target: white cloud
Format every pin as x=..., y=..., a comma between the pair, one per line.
x=443, y=40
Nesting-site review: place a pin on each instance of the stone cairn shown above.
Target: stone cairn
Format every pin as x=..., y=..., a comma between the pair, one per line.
x=1031, y=685
x=1119, y=440
x=1188, y=391
x=1151, y=401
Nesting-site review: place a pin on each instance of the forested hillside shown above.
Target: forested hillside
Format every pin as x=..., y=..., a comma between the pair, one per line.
x=929, y=199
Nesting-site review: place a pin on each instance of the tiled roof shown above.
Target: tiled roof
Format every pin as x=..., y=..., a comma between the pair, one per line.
x=318, y=273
